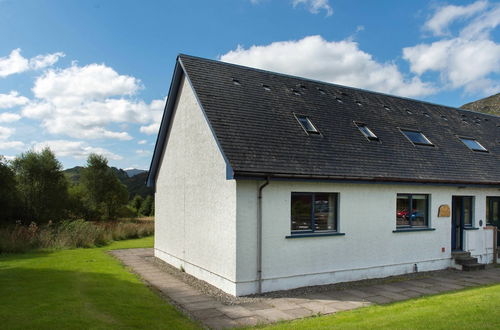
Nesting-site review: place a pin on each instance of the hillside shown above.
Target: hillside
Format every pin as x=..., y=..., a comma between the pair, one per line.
x=136, y=184
x=490, y=104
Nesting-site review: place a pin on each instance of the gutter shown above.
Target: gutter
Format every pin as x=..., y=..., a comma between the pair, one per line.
x=241, y=175
x=259, y=236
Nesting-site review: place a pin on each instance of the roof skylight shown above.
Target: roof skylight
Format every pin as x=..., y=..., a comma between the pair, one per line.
x=306, y=124
x=473, y=144
x=366, y=131
x=417, y=137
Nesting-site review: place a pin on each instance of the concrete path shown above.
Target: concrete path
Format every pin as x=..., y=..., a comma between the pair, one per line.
x=214, y=314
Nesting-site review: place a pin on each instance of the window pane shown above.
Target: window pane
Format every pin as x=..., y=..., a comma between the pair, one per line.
x=301, y=211
x=325, y=210
x=494, y=215
x=306, y=123
x=417, y=137
x=402, y=215
x=467, y=211
x=367, y=132
x=473, y=144
x=418, y=215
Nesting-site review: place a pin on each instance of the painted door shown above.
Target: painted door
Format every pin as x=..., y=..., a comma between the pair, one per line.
x=461, y=207
x=493, y=213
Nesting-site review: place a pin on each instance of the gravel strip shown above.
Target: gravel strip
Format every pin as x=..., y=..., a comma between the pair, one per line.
x=201, y=285
x=228, y=299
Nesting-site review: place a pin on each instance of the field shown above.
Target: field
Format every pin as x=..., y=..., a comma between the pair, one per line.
x=80, y=289
x=87, y=288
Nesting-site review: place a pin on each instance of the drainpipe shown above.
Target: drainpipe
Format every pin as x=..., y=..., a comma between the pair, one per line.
x=259, y=236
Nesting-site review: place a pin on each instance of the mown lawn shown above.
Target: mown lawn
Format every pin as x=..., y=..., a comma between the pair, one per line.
x=477, y=308
x=80, y=289
x=89, y=289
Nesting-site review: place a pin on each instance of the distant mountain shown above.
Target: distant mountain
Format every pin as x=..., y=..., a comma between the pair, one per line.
x=133, y=171
x=490, y=104
x=135, y=184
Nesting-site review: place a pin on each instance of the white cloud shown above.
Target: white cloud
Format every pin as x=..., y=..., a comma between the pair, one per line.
x=340, y=62
x=6, y=132
x=467, y=60
x=11, y=100
x=75, y=149
x=93, y=81
x=43, y=61
x=150, y=129
x=142, y=142
x=81, y=102
x=445, y=15
x=9, y=117
x=314, y=6
x=18, y=145
x=143, y=152
x=16, y=63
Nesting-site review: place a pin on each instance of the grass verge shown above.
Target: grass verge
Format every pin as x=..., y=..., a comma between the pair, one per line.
x=80, y=289
x=475, y=308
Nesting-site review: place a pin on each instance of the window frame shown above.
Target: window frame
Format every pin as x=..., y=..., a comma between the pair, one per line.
x=410, y=202
x=489, y=205
x=316, y=130
x=361, y=125
x=403, y=130
x=312, y=231
x=462, y=138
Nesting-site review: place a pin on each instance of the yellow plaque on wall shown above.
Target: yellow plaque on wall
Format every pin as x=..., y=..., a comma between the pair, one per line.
x=444, y=211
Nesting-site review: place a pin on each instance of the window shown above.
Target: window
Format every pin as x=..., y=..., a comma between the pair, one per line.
x=306, y=124
x=493, y=211
x=412, y=210
x=463, y=207
x=313, y=212
x=417, y=137
x=366, y=131
x=473, y=144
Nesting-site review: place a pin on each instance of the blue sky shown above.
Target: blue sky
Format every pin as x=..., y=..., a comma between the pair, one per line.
x=92, y=76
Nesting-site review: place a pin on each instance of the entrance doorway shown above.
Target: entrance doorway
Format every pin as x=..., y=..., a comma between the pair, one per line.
x=461, y=218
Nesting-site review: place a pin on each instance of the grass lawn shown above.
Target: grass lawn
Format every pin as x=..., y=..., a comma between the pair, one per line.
x=89, y=289
x=477, y=308
x=80, y=289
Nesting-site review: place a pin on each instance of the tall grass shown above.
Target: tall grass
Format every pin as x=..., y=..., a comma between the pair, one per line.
x=70, y=234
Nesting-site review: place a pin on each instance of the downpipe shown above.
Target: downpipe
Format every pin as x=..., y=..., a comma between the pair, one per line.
x=259, y=236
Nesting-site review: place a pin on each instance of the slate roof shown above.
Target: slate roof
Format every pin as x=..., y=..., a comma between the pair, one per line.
x=252, y=112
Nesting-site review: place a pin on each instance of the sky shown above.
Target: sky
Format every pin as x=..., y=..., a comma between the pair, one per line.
x=92, y=76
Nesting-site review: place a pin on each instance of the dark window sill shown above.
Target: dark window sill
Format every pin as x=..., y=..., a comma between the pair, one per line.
x=314, y=235
x=405, y=230
x=471, y=228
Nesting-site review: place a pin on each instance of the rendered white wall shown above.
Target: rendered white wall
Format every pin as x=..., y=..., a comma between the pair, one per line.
x=195, y=205
x=369, y=248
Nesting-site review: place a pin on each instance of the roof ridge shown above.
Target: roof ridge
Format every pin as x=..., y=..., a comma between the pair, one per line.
x=329, y=83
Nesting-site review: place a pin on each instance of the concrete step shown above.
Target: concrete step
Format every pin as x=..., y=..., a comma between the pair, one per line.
x=473, y=267
x=460, y=254
x=466, y=261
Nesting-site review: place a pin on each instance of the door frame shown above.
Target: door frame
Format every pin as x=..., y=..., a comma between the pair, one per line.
x=459, y=246
x=489, y=210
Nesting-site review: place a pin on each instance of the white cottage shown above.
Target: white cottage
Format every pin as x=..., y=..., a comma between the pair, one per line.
x=269, y=182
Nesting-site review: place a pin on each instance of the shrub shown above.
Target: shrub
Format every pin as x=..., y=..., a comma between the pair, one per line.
x=70, y=234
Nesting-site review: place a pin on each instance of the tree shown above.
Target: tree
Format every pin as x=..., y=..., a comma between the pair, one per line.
x=9, y=196
x=147, y=208
x=136, y=203
x=42, y=187
x=104, y=193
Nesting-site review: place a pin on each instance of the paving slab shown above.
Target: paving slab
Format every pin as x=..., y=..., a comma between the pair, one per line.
x=213, y=313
